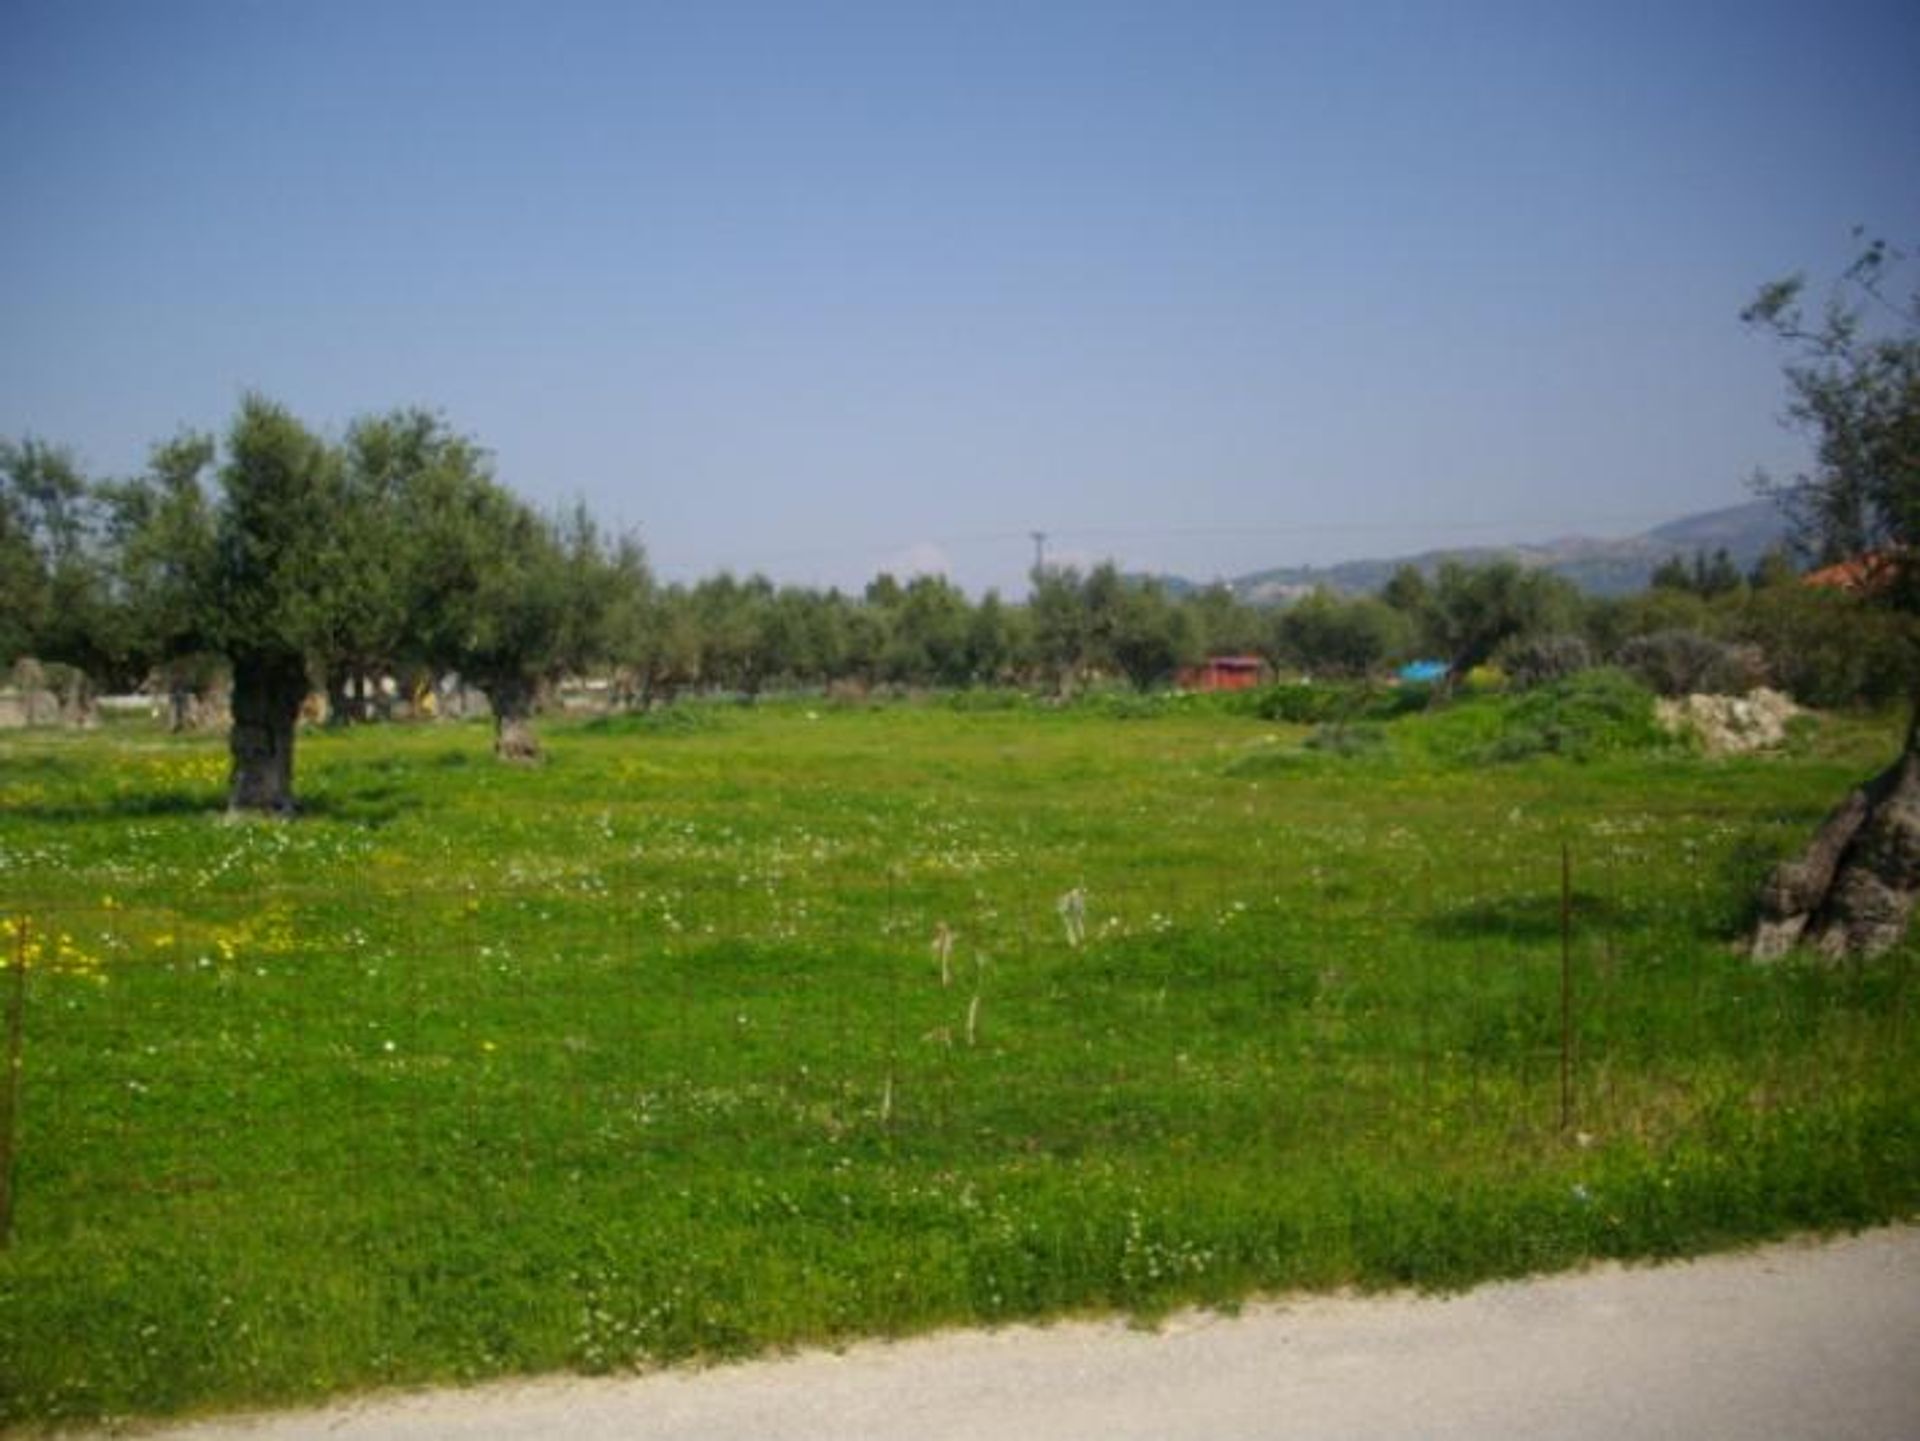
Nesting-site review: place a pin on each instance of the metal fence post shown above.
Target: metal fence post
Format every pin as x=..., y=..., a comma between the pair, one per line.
x=1566, y=985
x=9, y=1109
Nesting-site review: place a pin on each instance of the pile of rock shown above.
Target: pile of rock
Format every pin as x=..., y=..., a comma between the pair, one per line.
x=1731, y=724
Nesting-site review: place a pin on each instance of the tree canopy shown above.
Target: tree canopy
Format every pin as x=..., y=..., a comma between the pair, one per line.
x=1474, y=610
x=1853, y=380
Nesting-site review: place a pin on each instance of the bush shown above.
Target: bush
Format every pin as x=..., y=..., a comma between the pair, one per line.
x=1828, y=649
x=1301, y=704
x=1685, y=662
x=1594, y=713
x=1597, y=712
x=1269, y=759
x=988, y=698
x=1348, y=740
x=1544, y=659
x=1128, y=705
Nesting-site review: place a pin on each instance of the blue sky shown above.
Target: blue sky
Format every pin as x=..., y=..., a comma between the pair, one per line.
x=817, y=289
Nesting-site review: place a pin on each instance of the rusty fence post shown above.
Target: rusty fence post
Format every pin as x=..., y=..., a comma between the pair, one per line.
x=10, y=1106
x=1566, y=985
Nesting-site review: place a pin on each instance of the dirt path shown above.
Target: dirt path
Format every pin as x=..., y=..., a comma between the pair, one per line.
x=1800, y=1340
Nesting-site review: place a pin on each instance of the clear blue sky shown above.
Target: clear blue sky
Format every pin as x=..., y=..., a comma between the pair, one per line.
x=819, y=288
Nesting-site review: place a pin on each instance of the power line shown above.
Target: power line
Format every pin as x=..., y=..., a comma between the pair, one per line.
x=1040, y=538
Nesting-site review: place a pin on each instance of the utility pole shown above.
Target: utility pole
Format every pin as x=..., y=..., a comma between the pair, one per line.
x=1039, y=550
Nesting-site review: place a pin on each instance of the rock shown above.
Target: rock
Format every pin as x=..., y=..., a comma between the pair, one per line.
x=1728, y=724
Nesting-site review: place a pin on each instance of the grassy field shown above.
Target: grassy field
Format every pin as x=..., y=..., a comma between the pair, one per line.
x=648, y=1053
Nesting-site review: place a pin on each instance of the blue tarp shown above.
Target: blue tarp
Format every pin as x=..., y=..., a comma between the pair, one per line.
x=1423, y=670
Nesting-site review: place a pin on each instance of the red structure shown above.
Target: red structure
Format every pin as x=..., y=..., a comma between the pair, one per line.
x=1860, y=575
x=1224, y=672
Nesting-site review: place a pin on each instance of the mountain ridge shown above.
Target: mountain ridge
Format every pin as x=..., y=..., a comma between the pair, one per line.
x=1597, y=566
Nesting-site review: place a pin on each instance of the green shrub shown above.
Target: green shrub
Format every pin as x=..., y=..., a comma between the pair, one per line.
x=1300, y=703
x=1128, y=705
x=1296, y=703
x=1268, y=758
x=1594, y=713
x=1802, y=731
x=1828, y=649
x=978, y=699
x=1365, y=739
x=1685, y=662
x=1541, y=660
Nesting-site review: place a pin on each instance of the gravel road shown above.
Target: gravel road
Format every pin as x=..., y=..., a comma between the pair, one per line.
x=1815, y=1340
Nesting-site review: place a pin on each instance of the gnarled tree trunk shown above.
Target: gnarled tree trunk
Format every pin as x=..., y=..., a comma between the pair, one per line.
x=77, y=707
x=339, y=699
x=1852, y=891
x=268, y=688
x=512, y=698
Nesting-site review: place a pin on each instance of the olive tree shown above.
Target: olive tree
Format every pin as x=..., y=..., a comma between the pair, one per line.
x=656, y=643
x=1146, y=636
x=1059, y=634
x=1474, y=610
x=1853, y=381
x=367, y=621
x=40, y=490
x=271, y=577
x=57, y=594
x=928, y=640
x=161, y=538
x=1328, y=635
x=487, y=589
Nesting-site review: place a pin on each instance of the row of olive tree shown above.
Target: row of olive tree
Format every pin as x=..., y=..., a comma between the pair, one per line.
x=294, y=559
x=394, y=552
x=744, y=636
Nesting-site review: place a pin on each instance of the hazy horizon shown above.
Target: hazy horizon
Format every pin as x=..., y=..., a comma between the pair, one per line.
x=823, y=291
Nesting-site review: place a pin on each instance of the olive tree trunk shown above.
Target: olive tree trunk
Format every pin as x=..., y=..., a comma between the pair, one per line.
x=1851, y=893
x=268, y=689
x=77, y=706
x=512, y=698
x=340, y=710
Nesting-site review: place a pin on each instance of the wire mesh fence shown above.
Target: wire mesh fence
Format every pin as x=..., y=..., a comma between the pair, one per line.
x=594, y=1041
x=260, y=1141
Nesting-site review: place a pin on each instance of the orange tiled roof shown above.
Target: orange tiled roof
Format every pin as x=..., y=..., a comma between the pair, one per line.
x=1858, y=573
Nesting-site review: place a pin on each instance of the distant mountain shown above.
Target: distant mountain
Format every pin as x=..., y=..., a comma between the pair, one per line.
x=1599, y=567
x=1757, y=526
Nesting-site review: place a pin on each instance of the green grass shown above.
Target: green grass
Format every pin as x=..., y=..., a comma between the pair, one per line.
x=644, y=1054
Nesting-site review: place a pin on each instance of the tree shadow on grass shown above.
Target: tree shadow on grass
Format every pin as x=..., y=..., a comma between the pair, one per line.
x=1526, y=918
x=33, y=763
x=372, y=806
x=1711, y=915
x=147, y=805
